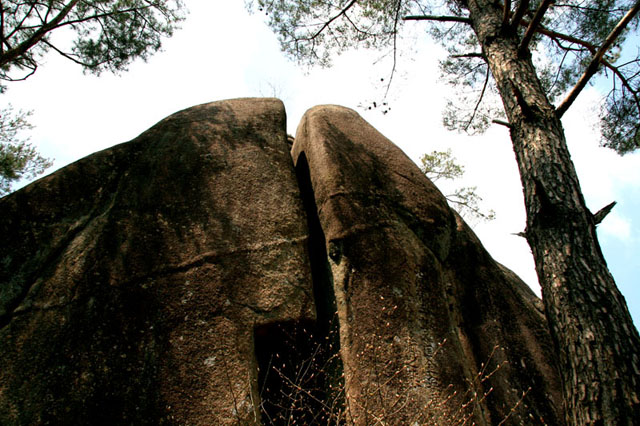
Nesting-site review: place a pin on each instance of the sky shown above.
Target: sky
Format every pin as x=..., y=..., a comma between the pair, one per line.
x=223, y=52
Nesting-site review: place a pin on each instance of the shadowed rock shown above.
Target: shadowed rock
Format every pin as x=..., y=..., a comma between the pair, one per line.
x=132, y=279
x=193, y=276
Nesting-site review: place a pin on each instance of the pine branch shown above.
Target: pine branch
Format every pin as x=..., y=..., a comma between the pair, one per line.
x=330, y=21
x=519, y=14
x=23, y=47
x=66, y=55
x=533, y=25
x=475, y=110
x=469, y=55
x=440, y=18
x=502, y=123
x=506, y=13
x=625, y=82
x=603, y=212
x=593, y=66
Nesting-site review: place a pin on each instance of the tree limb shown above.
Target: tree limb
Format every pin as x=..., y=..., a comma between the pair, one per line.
x=623, y=80
x=22, y=48
x=19, y=24
x=533, y=25
x=506, y=13
x=593, y=66
x=554, y=34
x=330, y=21
x=475, y=110
x=519, y=14
x=395, y=50
x=502, y=123
x=66, y=55
x=440, y=18
x=469, y=55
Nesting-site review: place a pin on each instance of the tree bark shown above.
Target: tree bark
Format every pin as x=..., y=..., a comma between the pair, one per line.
x=597, y=344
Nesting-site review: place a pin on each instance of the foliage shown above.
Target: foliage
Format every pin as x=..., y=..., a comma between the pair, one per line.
x=108, y=34
x=99, y=35
x=18, y=158
x=564, y=43
x=442, y=165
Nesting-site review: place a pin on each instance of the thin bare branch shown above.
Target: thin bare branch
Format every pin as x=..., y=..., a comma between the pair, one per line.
x=395, y=47
x=625, y=81
x=533, y=25
x=66, y=55
x=484, y=88
x=593, y=66
x=330, y=21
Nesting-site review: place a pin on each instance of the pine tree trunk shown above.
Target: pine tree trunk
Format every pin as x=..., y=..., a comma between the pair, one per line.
x=597, y=344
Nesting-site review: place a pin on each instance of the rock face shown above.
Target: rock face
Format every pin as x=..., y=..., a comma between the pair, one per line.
x=429, y=323
x=196, y=275
x=132, y=280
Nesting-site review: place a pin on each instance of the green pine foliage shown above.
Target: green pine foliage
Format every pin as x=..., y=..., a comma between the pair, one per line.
x=107, y=34
x=18, y=158
x=564, y=43
x=441, y=165
x=98, y=35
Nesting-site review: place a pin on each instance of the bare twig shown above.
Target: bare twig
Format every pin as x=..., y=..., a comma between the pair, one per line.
x=395, y=48
x=502, y=123
x=475, y=110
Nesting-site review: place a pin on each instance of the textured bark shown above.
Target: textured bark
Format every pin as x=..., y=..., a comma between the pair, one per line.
x=597, y=343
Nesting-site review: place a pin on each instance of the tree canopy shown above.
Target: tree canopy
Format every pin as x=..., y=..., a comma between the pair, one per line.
x=99, y=35
x=106, y=34
x=571, y=40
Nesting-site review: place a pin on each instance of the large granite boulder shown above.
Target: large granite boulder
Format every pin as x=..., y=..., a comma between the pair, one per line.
x=132, y=280
x=432, y=329
x=197, y=275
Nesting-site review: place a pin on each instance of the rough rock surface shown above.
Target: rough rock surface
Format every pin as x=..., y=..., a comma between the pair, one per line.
x=131, y=280
x=193, y=275
x=429, y=323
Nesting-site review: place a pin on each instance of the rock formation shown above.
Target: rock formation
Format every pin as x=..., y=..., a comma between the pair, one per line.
x=197, y=275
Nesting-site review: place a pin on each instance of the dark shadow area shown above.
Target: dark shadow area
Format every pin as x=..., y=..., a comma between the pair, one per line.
x=295, y=375
x=323, y=293
x=300, y=371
